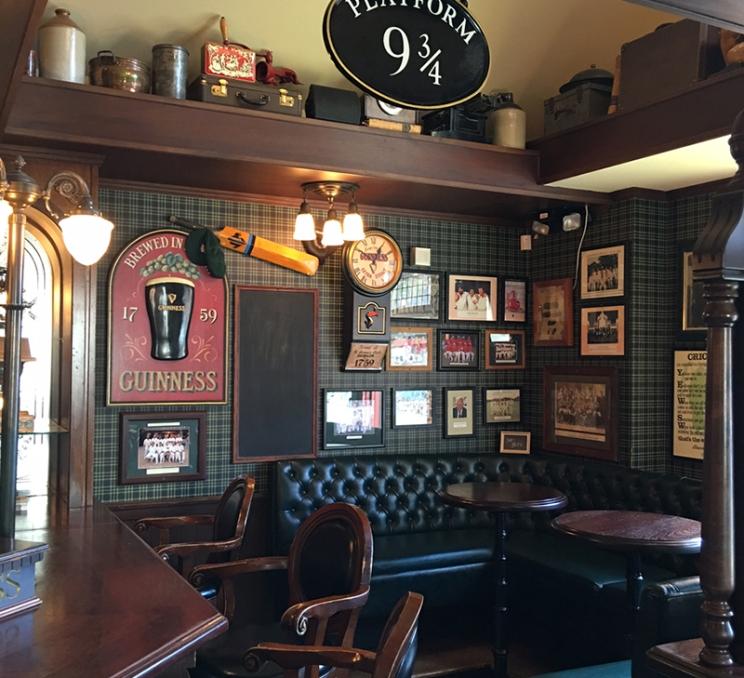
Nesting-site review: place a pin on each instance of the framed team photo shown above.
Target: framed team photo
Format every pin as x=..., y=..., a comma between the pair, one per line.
x=459, y=349
x=504, y=349
x=472, y=297
x=603, y=331
x=157, y=447
x=603, y=272
x=353, y=418
x=502, y=405
x=515, y=301
x=411, y=349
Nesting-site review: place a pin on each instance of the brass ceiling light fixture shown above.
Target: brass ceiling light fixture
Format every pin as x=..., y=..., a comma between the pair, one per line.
x=335, y=232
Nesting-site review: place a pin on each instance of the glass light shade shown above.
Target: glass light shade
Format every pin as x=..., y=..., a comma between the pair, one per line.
x=304, y=227
x=353, y=226
x=5, y=211
x=86, y=236
x=332, y=234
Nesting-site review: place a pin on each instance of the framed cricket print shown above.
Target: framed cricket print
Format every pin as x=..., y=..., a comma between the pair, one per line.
x=160, y=447
x=411, y=349
x=416, y=296
x=603, y=272
x=552, y=312
x=504, y=349
x=580, y=411
x=472, y=297
x=458, y=405
x=515, y=301
x=413, y=407
x=502, y=405
x=603, y=331
x=515, y=442
x=353, y=418
x=459, y=349
x=688, y=427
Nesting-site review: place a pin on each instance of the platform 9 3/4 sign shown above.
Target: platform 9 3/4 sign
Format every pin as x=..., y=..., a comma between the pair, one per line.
x=426, y=54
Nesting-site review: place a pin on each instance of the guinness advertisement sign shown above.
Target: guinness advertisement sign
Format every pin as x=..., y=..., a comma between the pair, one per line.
x=426, y=54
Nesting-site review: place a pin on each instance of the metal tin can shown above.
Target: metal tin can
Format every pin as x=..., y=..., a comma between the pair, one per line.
x=170, y=66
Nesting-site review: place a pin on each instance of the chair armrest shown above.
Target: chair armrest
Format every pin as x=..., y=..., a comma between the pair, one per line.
x=170, y=522
x=201, y=574
x=298, y=616
x=297, y=656
x=168, y=551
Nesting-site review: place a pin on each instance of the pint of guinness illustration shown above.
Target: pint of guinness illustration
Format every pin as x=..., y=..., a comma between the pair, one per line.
x=170, y=301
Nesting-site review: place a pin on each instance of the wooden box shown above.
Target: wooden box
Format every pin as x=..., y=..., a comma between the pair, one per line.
x=667, y=61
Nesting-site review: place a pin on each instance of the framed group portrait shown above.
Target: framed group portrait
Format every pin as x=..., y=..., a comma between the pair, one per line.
x=353, y=418
x=459, y=349
x=413, y=407
x=411, y=349
x=502, y=405
x=458, y=405
x=603, y=331
x=472, y=297
x=504, y=349
x=416, y=296
x=603, y=272
x=157, y=447
x=580, y=411
x=552, y=312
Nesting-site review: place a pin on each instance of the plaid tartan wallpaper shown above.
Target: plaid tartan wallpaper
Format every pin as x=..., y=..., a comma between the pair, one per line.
x=456, y=248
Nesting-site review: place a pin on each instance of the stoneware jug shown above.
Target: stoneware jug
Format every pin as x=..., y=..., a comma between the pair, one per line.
x=62, y=49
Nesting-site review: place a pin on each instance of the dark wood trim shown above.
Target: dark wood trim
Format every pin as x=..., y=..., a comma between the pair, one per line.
x=637, y=193
x=21, y=19
x=701, y=112
x=698, y=190
x=721, y=13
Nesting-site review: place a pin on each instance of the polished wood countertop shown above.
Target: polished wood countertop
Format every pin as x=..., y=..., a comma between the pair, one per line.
x=110, y=606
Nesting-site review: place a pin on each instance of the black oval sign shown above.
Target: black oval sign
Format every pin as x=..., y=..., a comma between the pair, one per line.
x=427, y=54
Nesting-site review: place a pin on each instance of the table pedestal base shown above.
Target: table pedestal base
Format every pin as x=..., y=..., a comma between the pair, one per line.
x=501, y=607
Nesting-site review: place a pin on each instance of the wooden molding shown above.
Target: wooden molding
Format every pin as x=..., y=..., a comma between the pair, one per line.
x=721, y=13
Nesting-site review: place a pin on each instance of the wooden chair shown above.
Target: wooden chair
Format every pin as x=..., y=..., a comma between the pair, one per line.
x=328, y=571
x=228, y=527
x=394, y=658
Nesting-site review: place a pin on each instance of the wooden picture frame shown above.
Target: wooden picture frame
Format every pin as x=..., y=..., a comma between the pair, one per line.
x=688, y=396
x=552, y=312
x=411, y=349
x=515, y=442
x=502, y=405
x=270, y=421
x=458, y=405
x=158, y=447
x=603, y=331
x=458, y=350
x=472, y=298
x=692, y=303
x=603, y=272
x=417, y=296
x=353, y=418
x=514, y=300
x=412, y=407
x=581, y=411
x=504, y=349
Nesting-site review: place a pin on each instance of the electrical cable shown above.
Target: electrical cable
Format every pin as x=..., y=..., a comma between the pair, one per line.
x=581, y=244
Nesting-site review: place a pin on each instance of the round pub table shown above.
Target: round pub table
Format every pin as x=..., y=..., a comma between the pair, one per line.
x=500, y=499
x=634, y=533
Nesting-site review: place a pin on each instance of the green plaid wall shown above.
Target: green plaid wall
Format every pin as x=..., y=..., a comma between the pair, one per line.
x=456, y=248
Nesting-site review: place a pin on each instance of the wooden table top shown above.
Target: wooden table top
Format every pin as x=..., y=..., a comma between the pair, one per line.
x=633, y=530
x=503, y=497
x=110, y=606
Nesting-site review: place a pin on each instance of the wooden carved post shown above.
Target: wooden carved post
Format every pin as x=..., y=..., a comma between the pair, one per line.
x=719, y=262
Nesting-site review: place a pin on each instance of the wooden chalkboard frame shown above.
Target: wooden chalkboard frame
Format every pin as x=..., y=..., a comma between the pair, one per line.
x=245, y=334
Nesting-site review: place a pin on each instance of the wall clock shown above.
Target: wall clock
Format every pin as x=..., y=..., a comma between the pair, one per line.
x=374, y=265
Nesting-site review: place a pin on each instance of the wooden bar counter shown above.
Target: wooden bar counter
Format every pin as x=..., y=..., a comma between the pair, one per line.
x=110, y=606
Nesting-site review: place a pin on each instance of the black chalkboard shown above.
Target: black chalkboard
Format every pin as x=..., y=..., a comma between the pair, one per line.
x=275, y=370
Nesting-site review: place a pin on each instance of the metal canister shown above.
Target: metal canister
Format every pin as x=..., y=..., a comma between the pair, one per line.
x=170, y=66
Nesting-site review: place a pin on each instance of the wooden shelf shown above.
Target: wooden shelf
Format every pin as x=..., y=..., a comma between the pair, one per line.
x=184, y=143
x=704, y=111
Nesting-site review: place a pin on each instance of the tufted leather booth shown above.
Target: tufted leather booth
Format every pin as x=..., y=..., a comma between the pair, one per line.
x=446, y=553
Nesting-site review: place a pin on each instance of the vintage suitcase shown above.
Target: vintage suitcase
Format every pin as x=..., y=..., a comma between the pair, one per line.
x=252, y=97
x=667, y=61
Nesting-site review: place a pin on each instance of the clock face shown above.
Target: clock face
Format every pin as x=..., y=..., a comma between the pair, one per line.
x=374, y=265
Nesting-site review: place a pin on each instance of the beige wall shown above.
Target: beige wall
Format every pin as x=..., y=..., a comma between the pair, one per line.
x=536, y=44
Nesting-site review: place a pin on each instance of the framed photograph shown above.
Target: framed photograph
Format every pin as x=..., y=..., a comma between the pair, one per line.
x=515, y=301
x=472, y=297
x=416, y=296
x=411, y=349
x=352, y=419
x=157, y=447
x=603, y=272
x=603, y=331
x=688, y=433
x=580, y=411
x=515, y=442
x=458, y=405
x=502, y=405
x=504, y=349
x=413, y=407
x=552, y=312
x=459, y=349
x=693, y=303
